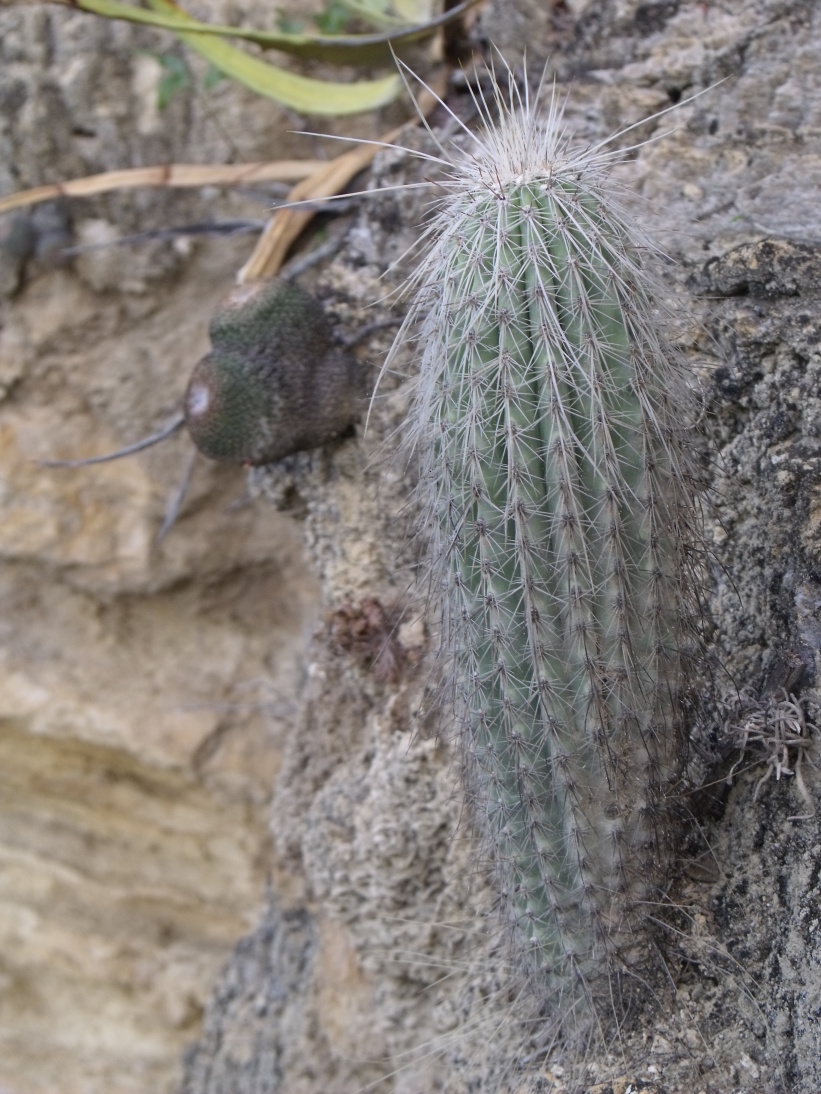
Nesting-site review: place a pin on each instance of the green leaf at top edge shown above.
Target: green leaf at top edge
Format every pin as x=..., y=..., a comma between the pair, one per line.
x=300, y=93
x=356, y=49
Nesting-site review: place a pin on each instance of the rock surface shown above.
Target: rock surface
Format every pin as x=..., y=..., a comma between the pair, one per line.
x=145, y=689
x=734, y=183
x=377, y=960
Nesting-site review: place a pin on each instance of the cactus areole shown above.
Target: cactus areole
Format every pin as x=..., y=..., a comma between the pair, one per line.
x=552, y=419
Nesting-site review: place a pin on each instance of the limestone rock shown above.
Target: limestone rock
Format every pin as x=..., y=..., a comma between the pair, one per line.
x=144, y=688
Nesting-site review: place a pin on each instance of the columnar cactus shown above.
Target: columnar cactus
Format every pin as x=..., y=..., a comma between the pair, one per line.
x=553, y=423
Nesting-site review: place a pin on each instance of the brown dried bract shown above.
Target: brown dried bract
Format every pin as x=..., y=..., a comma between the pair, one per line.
x=368, y=632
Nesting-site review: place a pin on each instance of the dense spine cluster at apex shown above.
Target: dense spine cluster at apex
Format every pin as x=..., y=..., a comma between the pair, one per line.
x=553, y=422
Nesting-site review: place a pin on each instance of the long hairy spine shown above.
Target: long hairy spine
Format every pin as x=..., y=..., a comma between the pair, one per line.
x=553, y=422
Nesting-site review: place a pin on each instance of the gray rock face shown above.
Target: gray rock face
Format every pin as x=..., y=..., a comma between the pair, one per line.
x=767, y=410
x=733, y=185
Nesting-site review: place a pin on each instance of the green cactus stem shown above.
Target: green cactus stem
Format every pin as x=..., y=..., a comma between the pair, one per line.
x=553, y=422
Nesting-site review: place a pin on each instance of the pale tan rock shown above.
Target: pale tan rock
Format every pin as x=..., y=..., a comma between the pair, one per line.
x=144, y=688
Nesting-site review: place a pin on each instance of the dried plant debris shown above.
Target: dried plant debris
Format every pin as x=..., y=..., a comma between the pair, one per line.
x=775, y=728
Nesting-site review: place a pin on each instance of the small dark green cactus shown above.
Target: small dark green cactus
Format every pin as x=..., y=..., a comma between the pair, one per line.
x=275, y=382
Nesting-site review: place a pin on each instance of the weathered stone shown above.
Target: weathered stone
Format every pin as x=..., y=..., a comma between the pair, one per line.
x=715, y=179
x=144, y=687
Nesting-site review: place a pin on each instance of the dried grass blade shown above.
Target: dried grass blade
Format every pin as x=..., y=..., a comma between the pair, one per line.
x=170, y=175
x=288, y=222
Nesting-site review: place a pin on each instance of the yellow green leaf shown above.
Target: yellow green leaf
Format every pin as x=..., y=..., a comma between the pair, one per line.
x=371, y=11
x=357, y=49
x=413, y=11
x=301, y=93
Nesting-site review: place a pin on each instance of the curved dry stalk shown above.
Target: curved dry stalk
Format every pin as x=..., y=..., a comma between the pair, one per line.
x=172, y=175
x=129, y=450
x=777, y=727
x=290, y=220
